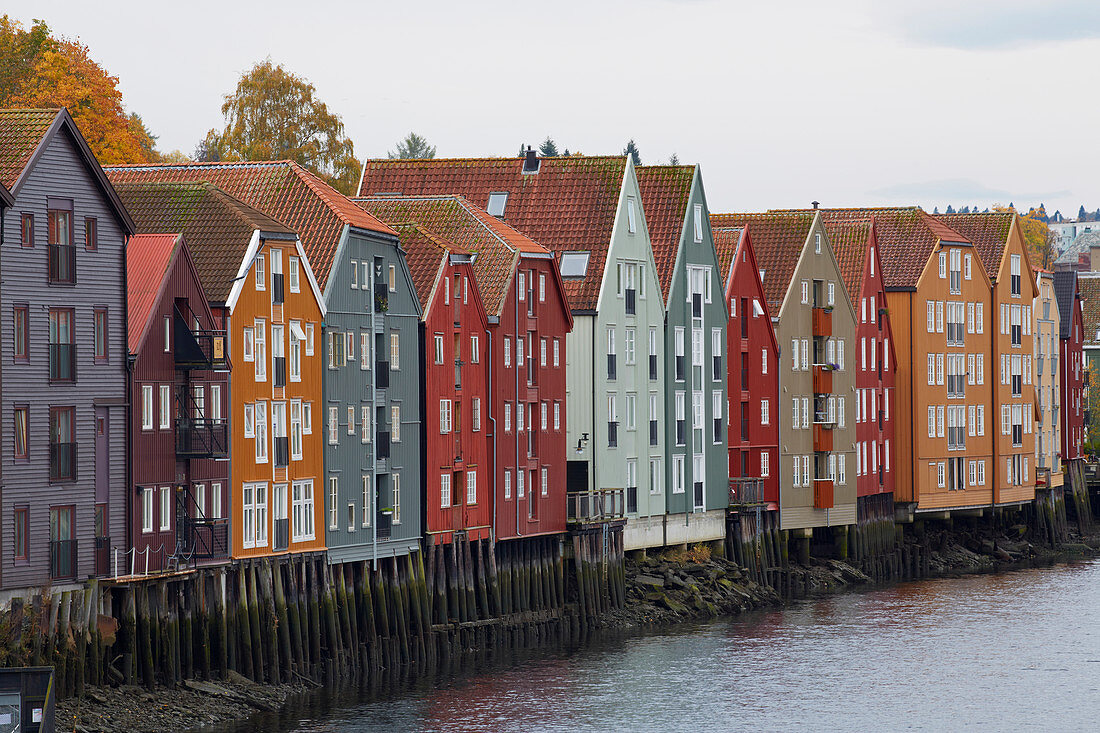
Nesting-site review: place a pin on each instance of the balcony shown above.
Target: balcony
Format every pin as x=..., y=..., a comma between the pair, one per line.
x=612, y=434
x=62, y=461
x=277, y=288
x=381, y=297
x=282, y=452
x=823, y=493
x=383, y=444
x=62, y=559
x=652, y=367
x=382, y=374
x=632, y=499
x=279, y=371
x=823, y=321
x=198, y=349
x=202, y=438
x=62, y=362
x=823, y=379
x=62, y=265
x=597, y=505
x=612, y=367
x=383, y=526
x=631, y=301
x=823, y=437
x=207, y=538
x=746, y=491
x=281, y=535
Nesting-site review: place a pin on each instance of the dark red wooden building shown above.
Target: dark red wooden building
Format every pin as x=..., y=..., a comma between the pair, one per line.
x=528, y=320
x=1074, y=372
x=178, y=505
x=458, y=476
x=752, y=366
x=873, y=405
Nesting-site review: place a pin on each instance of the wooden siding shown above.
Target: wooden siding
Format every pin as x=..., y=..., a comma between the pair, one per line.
x=352, y=310
x=154, y=462
x=796, y=508
x=1071, y=378
x=873, y=327
x=462, y=451
x=252, y=304
x=1048, y=426
x=714, y=318
x=100, y=282
x=536, y=513
x=745, y=289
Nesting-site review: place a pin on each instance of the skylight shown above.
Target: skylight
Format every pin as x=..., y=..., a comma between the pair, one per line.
x=574, y=264
x=497, y=200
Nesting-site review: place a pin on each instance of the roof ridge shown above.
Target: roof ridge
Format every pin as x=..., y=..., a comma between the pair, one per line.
x=509, y=158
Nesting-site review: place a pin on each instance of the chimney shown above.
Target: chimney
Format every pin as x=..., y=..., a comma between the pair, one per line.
x=816, y=204
x=530, y=161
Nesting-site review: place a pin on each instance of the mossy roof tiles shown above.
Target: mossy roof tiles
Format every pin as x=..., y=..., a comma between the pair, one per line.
x=462, y=226
x=569, y=205
x=777, y=240
x=426, y=256
x=988, y=233
x=851, y=240
x=726, y=241
x=283, y=190
x=218, y=228
x=21, y=130
x=665, y=191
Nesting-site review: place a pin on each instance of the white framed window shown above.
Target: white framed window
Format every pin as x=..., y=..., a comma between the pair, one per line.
x=165, y=508
x=445, y=489
x=292, y=274
x=542, y=287
x=557, y=354
x=698, y=220
x=520, y=473
x=544, y=475
x=507, y=484
x=261, y=350
x=475, y=350
x=444, y=416
x=333, y=425
x=805, y=291
x=302, y=510
x=249, y=420
x=248, y=515
x=333, y=500
x=678, y=469
x=309, y=339
x=296, y=430
x=438, y=342
x=395, y=423
x=765, y=417
x=475, y=414
x=395, y=481
x=395, y=351
x=631, y=219
x=261, y=432
x=351, y=420
x=544, y=410
x=471, y=487
x=146, y=407
x=765, y=460
x=628, y=346
x=364, y=424
x=260, y=271
x=557, y=415
x=367, y=485
x=165, y=406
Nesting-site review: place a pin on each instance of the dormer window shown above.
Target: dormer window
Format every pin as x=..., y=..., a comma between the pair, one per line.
x=573, y=264
x=497, y=201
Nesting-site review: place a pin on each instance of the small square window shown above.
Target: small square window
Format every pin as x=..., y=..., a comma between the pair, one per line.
x=91, y=234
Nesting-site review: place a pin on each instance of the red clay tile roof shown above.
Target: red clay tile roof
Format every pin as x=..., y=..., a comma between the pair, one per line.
x=907, y=237
x=777, y=239
x=218, y=227
x=988, y=232
x=1088, y=285
x=665, y=192
x=426, y=256
x=569, y=205
x=726, y=241
x=281, y=189
x=21, y=130
x=147, y=259
x=460, y=224
x=851, y=240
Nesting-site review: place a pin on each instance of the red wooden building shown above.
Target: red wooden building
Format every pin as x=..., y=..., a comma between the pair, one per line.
x=528, y=320
x=457, y=470
x=752, y=369
x=1074, y=372
x=179, y=385
x=857, y=253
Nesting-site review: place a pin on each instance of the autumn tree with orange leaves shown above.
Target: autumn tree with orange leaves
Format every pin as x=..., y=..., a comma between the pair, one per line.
x=1037, y=236
x=275, y=115
x=38, y=70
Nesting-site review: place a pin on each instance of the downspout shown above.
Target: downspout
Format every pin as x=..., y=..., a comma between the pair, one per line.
x=374, y=423
x=993, y=350
x=493, y=421
x=515, y=369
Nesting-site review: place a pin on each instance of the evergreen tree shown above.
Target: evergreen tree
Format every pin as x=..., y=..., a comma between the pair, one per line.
x=950, y=209
x=549, y=148
x=566, y=153
x=935, y=211
x=1081, y=213
x=674, y=159
x=632, y=150
x=413, y=146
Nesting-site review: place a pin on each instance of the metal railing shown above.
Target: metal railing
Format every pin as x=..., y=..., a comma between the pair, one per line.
x=62, y=362
x=62, y=559
x=62, y=263
x=201, y=438
x=595, y=505
x=63, y=461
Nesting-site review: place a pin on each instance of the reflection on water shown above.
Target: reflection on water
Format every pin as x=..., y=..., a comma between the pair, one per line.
x=1019, y=650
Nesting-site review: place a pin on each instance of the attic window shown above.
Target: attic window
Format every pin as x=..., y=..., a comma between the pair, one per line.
x=497, y=201
x=573, y=264
x=817, y=243
x=757, y=310
x=631, y=222
x=762, y=271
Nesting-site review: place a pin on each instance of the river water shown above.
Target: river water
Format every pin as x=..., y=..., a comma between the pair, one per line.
x=1015, y=651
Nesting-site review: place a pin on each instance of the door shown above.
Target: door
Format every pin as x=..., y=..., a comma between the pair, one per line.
x=458, y=512
x=282, y=523
x=102, y=456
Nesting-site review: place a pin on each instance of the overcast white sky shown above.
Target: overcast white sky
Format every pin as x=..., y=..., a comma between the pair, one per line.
x=849, y=102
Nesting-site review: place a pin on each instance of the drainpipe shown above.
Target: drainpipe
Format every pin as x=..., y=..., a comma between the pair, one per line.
x=493, y=421
x=374, y=423
x=515, y=369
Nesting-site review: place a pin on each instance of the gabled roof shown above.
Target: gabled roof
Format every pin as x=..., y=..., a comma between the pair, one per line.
x=1082, y=244
x=218, y=227
x=1088, y=285
x=281, y=189
x=426, y=255
x=726, y=242
x=26, y=133
x=461, y=226
x=569, y=204
x=148, y=257
x=1065, y=290
x=989, y=234
x=851, y=241
x=665, y=191
x=906, y=236
x=778, y=239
